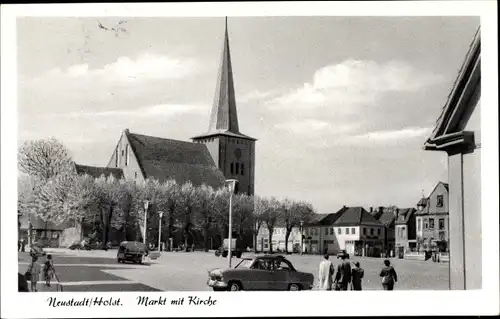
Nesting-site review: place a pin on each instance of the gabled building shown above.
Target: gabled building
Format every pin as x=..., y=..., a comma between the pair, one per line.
x=387, y=216
x=359, y=233
x=458, y=133
x=406, y=232
x=432, y=220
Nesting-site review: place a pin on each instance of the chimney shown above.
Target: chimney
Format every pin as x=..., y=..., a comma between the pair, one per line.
x=371, y=210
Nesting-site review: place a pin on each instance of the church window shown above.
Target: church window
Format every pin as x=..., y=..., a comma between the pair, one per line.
x=242, y=169
x=232, y=168
x=237, y=168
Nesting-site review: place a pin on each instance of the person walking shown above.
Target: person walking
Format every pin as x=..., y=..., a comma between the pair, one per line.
x=357, y=274
x=325, y=276
x=343, y=277
x=389, y=276
x=33, y=273
x=48, y=270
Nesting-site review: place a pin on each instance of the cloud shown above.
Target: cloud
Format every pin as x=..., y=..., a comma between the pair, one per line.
x=146, y=66
x=395, y=134
x=257, y=95
x=314, y=127
x=162, y=110
x=354, y=82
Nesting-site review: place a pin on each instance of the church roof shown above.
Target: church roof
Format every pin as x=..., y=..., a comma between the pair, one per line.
x=97, y=172
x=354, y=216
x=224, y=116
x=166, y=159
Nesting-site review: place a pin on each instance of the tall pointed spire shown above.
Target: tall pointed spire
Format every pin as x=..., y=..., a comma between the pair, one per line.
x=224, y=117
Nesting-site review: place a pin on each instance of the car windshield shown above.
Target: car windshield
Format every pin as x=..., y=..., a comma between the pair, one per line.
x=245, y=263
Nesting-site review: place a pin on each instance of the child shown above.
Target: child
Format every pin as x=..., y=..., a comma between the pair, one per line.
x=48, y=270
x=34, y=269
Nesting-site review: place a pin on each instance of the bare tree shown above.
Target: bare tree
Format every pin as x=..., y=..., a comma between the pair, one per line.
x=292, y=213
x=260, y=208
x=270, y=217
x=186, y=207
x=204, y=213
x=44, y=159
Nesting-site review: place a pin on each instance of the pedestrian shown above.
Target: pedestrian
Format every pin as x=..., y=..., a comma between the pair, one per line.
x=357, y=274
x=343, y=277
x=48, y=270
x=389, y=276
x=326, y=271
x=22, y=284
x=23, y=245
x=33, y=273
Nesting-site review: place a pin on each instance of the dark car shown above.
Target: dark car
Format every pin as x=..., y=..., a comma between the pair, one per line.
x=260, y=273
x=343, y=253
x=133, y=251
x=36, y=250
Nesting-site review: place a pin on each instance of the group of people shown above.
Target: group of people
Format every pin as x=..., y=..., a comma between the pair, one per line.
x=351, y=277
x=33, y=274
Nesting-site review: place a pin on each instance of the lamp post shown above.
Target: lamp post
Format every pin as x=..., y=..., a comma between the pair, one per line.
x=159, y=231
x=301, y=236
x=232, y=185
x=146, y=205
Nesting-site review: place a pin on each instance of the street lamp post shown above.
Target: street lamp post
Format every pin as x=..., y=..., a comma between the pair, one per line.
x=232, y=185
x=301, y=236
x=146, y=205
x=159, y=231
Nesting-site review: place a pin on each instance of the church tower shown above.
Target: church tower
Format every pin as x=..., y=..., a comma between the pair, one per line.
x=232, y=151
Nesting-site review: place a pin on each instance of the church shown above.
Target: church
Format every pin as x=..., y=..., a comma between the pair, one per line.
x=221, y=153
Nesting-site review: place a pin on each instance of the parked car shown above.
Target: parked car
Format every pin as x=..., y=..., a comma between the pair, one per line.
x=260, y=273
x=133, y=251
x=343, y=253
x=36, y=250
x=237, y=248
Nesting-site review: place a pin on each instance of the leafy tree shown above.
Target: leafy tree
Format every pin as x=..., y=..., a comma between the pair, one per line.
x=185, y=209
x=242, y=211
x=44, y=159
x=220, y=208
x=204, y=213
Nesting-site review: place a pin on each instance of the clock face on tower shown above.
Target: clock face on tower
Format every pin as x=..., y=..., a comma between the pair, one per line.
x=237, y=153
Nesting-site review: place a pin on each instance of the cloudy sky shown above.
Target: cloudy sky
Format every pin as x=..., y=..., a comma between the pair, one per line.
x=340, y=106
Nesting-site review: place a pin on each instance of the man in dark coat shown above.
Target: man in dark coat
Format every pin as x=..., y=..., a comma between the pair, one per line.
x=389, y=276
x=357, y=274
x=343, y=277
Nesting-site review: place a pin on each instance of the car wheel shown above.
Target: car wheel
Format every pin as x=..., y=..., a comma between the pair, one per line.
x=294, y=287
x=234, y=286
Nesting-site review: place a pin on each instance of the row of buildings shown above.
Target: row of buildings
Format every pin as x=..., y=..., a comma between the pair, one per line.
x=373, y=232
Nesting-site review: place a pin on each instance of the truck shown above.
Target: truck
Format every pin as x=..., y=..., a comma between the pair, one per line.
x=236, y=248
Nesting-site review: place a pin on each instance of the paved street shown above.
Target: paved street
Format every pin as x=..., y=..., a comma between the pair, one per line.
x=180, y=271
x=77, y=273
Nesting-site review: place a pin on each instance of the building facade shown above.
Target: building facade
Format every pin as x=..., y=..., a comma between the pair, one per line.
x=432, y=220
x=458, y=134
x=406, y=232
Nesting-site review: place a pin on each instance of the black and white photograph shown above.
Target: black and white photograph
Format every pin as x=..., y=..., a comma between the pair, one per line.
x=218, y=153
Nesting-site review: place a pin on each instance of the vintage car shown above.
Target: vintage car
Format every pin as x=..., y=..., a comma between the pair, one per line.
x=133, y=251
x=343, y=253
x=260, y=273
x=36, y=250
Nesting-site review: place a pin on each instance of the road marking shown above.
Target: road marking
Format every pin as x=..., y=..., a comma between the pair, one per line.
x=90, y=283
x=131, y=266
